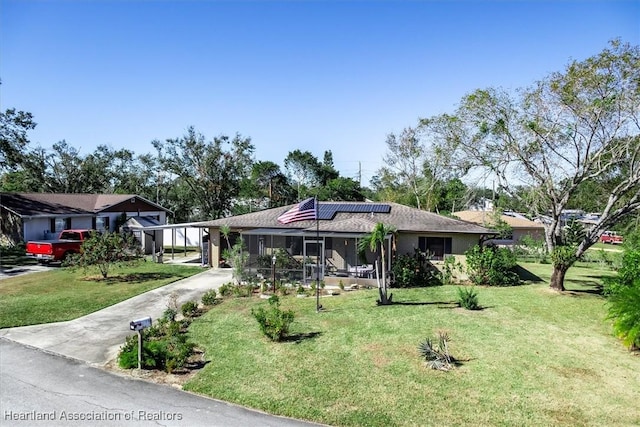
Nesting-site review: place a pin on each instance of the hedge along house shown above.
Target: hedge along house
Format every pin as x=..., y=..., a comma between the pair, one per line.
x=331, y=242
x=41, y=216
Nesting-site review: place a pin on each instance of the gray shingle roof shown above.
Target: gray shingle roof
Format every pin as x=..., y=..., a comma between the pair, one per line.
x=403, y=218
x=33, y=204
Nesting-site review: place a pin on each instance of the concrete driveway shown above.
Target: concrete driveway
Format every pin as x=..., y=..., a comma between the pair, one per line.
x=6, y=272
x=97, y=337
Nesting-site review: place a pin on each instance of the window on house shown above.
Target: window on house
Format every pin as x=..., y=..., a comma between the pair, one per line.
x=436, y=247
x=60, y=224
x=102, y=223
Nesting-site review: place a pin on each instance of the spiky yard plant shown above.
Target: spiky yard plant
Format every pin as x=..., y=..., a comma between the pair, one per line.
x=468, y=298
x=436, y=354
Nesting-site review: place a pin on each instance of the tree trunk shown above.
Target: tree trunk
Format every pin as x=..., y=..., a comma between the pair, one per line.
x=557, y=278
x=385, y=298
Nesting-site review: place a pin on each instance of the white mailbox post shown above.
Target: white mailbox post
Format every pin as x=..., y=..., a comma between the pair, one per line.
x=138, y=326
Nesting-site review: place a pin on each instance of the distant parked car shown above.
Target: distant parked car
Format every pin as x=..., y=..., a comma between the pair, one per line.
x=69, y=242
x=611, y=237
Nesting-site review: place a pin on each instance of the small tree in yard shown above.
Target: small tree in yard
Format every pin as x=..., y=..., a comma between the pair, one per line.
x=105, y=251
x=374, y=240
x=237, y=256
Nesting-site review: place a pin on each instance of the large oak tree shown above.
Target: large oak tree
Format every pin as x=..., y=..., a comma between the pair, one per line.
x=574, y=127
x=211, y=172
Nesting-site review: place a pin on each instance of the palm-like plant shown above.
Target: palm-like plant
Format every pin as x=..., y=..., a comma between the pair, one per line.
x=437, y=355
x=373, y=241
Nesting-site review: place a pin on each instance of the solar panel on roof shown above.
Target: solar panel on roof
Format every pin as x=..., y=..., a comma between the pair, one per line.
x=327, y=210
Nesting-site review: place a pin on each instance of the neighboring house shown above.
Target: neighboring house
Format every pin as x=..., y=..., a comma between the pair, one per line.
x=41, y=216
x=520, y=225
x=334, y=237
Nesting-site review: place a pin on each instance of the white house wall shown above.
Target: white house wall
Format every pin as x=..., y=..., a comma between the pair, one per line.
x=81, y=223
x=36, y=228
x=192, y=236
x=40, y=228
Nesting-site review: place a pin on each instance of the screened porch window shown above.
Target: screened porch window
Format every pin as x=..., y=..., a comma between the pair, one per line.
x=294, y=245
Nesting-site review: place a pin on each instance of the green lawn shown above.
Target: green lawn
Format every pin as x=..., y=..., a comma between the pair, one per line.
x=62, y=294
x=531, y=357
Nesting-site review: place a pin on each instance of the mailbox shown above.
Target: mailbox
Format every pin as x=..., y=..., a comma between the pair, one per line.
x=140, y=324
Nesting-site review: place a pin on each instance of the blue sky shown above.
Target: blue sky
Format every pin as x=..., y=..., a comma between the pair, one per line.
x=309, y=75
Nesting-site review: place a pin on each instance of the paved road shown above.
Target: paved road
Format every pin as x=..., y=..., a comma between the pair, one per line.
x=66, y=392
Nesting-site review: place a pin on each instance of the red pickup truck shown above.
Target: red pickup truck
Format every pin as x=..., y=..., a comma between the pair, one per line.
x=611, y=238
x=69, y=242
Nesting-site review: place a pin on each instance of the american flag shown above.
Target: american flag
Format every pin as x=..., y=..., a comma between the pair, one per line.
x=305, y=210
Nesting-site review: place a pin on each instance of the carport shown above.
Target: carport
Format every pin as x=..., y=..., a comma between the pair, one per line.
x=152, y=230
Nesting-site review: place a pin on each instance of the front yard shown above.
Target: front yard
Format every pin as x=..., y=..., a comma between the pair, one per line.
x=62, y=294
x=531, y=357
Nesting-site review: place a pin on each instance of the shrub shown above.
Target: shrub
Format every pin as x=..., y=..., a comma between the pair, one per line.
x=226, y=289
x=273, y=321
x=168, y=352
x=242, y=290
x=437, y=354
x=178, y=351
x=169, y=315
x=492, y=266
x=624, y=299
x=450, y=265
x=165, y=344
x=413, y=270
x=209, y=298
x=189, y=309
x=282, y=289
x=128, y=355
x=628, y=274
x=153, y=353
x=468, y=298
x=624, y=309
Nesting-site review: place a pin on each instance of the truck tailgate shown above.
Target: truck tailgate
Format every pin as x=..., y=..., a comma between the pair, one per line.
x=39, y=248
